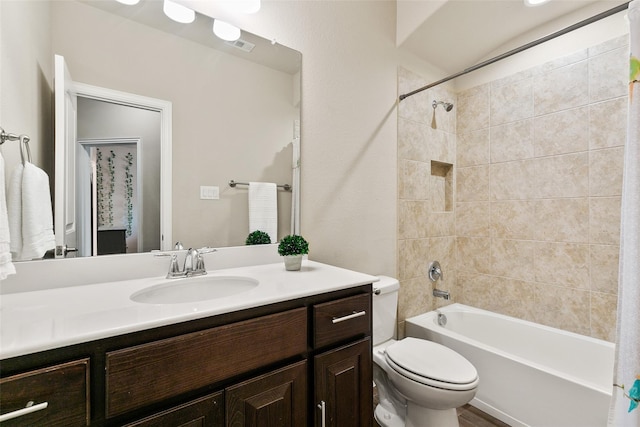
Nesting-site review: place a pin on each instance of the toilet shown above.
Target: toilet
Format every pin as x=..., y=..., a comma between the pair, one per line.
x=420, y=383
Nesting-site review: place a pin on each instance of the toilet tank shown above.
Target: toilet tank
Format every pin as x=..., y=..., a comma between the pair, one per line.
x=385, y=309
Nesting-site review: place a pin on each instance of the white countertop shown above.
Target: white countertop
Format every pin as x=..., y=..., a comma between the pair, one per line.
x=47, y=319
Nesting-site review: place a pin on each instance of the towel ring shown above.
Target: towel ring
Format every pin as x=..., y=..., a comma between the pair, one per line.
x=24, y=146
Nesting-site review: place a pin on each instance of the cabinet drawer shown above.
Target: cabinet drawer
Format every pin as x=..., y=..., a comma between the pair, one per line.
x=62, y=391
x=149, y=373
x=338, y=320
x=207, y=411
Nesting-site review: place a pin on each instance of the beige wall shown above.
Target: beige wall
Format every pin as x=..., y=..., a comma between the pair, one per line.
x=26, y=81
x=538, y=181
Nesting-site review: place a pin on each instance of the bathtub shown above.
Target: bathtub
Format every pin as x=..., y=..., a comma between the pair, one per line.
x=530, y=374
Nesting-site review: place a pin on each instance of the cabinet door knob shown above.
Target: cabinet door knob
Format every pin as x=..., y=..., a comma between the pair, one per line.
x=24, y=411
x=322, y=406
x=349, y=316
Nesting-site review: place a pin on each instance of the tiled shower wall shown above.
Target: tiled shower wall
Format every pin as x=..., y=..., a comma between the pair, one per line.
x=538, y=178
x=426, y=205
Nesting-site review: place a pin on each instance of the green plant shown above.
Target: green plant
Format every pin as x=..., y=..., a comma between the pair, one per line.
x=258, y=238
x=293, y=245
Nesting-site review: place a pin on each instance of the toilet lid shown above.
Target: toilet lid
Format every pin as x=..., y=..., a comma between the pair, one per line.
x=431, y=363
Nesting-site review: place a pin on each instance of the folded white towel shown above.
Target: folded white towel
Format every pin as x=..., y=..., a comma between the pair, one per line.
x=14, y=210
x=37, y=215
x=263, y=208
x=6, y=266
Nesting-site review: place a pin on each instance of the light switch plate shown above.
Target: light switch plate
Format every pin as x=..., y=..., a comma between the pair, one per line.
x=209, y=192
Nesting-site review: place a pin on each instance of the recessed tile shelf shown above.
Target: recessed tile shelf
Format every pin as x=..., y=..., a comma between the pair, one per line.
x=441, y=187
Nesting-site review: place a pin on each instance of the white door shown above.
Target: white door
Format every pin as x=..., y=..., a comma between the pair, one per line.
x=64, y=223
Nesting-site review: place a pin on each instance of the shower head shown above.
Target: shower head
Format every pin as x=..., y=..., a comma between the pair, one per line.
x=447, y=105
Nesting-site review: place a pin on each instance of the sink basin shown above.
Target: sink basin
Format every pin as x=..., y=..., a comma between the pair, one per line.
x=193, y=289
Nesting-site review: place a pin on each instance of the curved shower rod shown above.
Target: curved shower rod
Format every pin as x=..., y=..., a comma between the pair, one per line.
x=551, y=36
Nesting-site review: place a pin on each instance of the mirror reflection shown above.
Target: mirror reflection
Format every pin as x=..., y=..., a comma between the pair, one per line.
x=235, y=116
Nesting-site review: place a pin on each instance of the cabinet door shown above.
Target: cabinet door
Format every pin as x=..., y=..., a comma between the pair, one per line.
x=343, y=386
x=53, y=396
x=276, y=399
x=204, y=412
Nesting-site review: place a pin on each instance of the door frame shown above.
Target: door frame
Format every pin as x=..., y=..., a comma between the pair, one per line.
x=165, y=109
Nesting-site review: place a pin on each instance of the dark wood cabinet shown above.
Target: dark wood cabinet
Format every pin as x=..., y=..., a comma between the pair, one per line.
x=149, y=373
x=52, y=396
x=343, y=386
x=204, y=412
x=268, y=366
x=275, y=399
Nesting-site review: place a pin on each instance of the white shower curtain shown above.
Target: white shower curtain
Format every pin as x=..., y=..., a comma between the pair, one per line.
x=624, y=405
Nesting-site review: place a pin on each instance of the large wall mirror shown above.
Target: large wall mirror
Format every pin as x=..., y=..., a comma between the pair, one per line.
x=235, y=115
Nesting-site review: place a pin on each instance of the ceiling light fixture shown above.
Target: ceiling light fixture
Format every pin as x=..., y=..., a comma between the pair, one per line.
x=128, y=2
x=225, y=31
x=178, y=12
x=532, y=3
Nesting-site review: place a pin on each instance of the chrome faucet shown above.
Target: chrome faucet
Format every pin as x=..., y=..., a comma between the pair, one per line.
x=193, y=264
x=435, y=273
x=441, y=294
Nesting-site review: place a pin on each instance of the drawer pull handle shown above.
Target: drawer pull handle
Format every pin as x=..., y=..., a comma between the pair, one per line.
x=323, y=407
x=349, y=316
x=24, y=411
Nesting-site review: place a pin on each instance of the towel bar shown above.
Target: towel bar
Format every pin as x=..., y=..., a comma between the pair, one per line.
x=24, y=143
x=233, y=183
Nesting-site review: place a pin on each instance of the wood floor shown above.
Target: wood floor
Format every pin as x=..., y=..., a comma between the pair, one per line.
x=468, y=416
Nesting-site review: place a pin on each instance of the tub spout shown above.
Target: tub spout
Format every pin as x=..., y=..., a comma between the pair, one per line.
x=441, y=294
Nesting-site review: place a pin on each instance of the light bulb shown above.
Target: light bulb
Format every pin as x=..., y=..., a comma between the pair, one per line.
x=534, y=2
x=178, y=12
x=226, y=31
x=128, y=2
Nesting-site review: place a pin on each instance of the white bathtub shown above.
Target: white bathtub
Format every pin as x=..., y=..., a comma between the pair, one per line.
x=530, y=374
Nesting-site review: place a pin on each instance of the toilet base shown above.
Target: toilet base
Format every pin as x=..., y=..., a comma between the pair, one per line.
x=419, y=416
x=386, y=418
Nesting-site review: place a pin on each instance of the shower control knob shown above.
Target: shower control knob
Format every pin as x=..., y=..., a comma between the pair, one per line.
x=435, y=271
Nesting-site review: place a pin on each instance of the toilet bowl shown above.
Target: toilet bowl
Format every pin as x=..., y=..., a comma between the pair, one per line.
x=420, y=382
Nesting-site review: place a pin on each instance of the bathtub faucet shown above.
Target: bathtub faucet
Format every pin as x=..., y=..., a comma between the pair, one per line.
x=441, y=294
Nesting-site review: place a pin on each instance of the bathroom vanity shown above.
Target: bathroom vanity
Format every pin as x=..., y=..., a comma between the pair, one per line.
x=292, y=350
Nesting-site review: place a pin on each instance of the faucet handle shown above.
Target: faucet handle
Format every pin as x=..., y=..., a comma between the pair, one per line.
x=199, y=263
x=435, y=271
x=174, y=268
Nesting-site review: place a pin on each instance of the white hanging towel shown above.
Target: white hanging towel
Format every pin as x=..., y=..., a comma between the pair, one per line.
x=263, y=208
x=14, y=210
x=37, y=215
x=30, y=213
x=6, y=266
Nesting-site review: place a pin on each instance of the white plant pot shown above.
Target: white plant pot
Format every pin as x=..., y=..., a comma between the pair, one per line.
x=292, y=262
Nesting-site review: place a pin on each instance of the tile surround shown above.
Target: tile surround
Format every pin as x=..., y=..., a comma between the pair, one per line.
x=534, y=231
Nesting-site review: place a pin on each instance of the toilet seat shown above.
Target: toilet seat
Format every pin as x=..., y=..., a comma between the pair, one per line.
x=431, y=364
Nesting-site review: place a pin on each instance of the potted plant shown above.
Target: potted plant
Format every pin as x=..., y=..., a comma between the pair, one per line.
x=258, y=238
x=292, y=247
